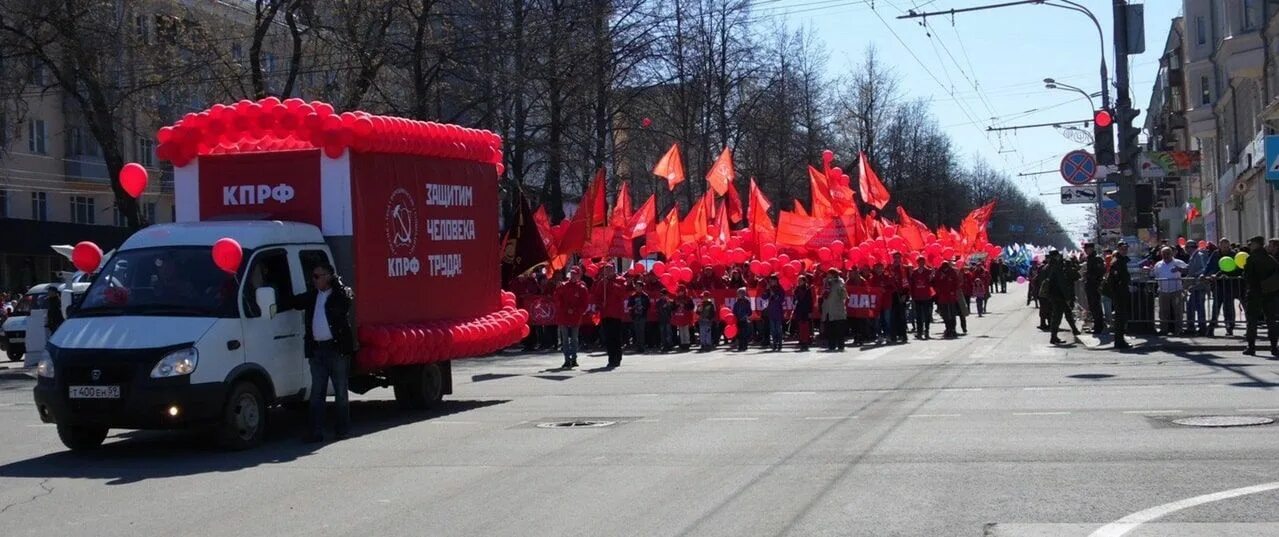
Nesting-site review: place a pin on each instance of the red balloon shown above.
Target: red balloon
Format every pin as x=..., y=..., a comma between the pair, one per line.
x=133, y=179
x=828, y=156
x=646, y=122
x=730, y=331
x=227, y=255
x=659, y=269
x=86, y=256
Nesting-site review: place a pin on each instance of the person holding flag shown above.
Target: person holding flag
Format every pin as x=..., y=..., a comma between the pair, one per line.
x=571, y=299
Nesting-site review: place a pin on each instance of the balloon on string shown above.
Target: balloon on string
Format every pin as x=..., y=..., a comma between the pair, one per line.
x=227, y=255
x=1021, y=279
x=133, y=179
x=1226, y=264
x=659, y=269
x=730, y=331
x=646, y=122
x=1241, y=259
x=86, y=256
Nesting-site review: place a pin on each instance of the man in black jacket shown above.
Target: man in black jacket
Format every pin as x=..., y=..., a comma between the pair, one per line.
x=329, y=345
x=1094, y=269
x=1117, y=282
x=1262, y=298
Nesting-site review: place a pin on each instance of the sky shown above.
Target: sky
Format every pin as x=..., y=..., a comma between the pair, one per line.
x=990, y=64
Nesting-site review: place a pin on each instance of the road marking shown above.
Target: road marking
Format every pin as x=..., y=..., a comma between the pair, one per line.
x=1126, y=524
x=794, y=393
x=1257, y=410
x=1136, y=386
x=647, y=420
x=962, y=389
x=830, y=417
x=1041, y=413
x=646, y=395
x=732, y=419
x=933, y=416
x=1045, y=388
x=1153, y=411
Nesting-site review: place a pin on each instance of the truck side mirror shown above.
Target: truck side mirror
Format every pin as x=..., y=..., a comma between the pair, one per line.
x=265, y=297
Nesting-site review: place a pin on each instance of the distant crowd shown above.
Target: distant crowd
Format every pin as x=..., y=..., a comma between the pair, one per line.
x=732, y=306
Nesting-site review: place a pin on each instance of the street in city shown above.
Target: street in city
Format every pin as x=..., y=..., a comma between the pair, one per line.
x=996, y=433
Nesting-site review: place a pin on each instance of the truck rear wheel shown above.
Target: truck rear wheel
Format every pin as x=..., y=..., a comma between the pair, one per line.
x=418, y=387
x=81, y=437
x=15, y=351
x=244, y=419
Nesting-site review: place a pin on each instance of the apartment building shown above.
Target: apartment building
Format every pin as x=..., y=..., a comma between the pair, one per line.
x=54, y=186
x=1218, y=82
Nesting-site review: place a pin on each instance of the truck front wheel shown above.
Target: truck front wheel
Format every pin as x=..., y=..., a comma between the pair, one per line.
x=81, y=437
x=244, y=418
x=418, y=387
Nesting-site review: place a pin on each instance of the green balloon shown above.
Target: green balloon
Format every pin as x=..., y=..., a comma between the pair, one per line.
x=1226, y=264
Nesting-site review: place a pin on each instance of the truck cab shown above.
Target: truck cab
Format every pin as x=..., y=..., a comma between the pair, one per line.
x=165, y=339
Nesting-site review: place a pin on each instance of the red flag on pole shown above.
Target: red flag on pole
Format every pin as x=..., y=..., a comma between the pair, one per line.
x=823, y=207
x=642, y=221
x=621, y=207
x=590, y=214
x=873, y=191
x=910, y=229
x=720, y=176
x=693, y=226
x=760, y=224
x=670, y=167
x=668, y=234
x=734, y=205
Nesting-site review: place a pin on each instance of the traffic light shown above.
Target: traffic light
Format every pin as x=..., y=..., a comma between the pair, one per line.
x=1129, y=148
x=1103, y=133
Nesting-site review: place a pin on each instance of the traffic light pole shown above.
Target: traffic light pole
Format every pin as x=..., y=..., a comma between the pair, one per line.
x=1127, y=148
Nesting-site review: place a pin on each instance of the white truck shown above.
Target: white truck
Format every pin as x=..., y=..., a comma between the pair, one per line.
x=165, y=339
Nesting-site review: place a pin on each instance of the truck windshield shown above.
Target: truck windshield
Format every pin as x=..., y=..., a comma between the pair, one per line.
x=161, y=281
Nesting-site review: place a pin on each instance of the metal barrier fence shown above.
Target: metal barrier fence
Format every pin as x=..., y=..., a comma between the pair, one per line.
x=1207, y=304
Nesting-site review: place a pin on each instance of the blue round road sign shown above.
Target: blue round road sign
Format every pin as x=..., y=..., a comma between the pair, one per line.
x=1078, y=167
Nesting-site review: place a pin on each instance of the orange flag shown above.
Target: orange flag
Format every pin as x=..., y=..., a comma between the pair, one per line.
x=734, y=205
x=721, y=235
x=708, y=203
x=910, y=229
x=544, y=230
x=642, y=221
x=975, y=222
x=668, y=235
x=873, y=190
x=721, y=174
x=799, y=209
x=621, y=207
x=670, y=167
x=823, y=206
x=760, y=224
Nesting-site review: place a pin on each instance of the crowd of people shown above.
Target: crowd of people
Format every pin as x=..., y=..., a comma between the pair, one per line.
x=1194, y=285
x=731, y=305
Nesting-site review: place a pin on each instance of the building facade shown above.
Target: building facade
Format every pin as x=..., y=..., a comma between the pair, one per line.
x=1218, y=79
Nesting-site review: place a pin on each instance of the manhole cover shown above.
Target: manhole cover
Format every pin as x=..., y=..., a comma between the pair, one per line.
x=1224, y=421
x=575, y=424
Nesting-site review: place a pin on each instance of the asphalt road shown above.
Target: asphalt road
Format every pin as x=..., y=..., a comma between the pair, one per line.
x=995, y=433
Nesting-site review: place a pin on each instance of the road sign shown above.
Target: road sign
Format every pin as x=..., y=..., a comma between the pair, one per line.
x=1079, y=194
x=1078, y=167
x=1272, y=158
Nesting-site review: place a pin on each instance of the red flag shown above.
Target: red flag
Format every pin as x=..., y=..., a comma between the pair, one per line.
x=590, y=215
x=544, y=230
x=642, y=221
x=808, y=232
x=621, y=207
x=709, y=205
x=1192, y=212
x=760, y=224
x=823, y=207
x=873, y=190
x=799, y=209
x=693, y=227
x=722, y=224
x=670, y=167
x=734, y=205
x=910, y=229
x=720, y=176
x=975, y=222
x=668, y=235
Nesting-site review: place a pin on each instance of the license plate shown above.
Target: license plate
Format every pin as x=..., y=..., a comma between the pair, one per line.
x=94, y=392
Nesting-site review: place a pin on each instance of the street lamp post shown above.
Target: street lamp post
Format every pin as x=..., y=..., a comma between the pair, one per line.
x=1053, y=84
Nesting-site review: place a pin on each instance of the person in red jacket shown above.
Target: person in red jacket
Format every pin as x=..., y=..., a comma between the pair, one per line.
x=921, y=293
x=609, y=296
x=946, y=286
x=571, y=299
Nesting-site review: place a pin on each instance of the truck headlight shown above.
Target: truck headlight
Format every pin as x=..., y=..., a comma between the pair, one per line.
x=44, y=368
x=177, y=363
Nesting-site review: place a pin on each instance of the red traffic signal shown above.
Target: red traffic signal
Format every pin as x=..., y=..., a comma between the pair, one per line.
x=1103, y=119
